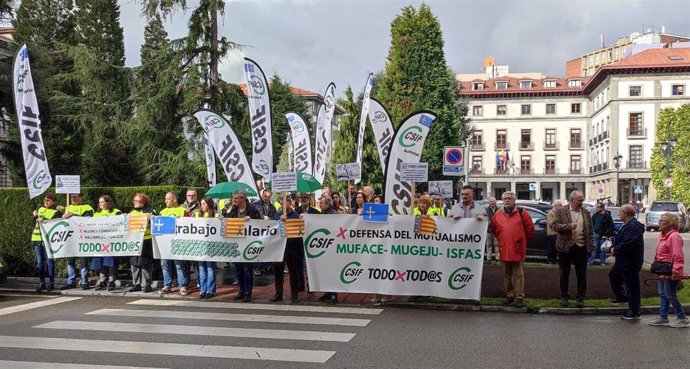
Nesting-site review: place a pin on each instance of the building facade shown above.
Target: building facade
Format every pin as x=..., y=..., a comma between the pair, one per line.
x=544, y=137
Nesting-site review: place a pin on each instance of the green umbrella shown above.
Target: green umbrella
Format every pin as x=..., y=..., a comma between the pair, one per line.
x=225, y=190
x=307, y=183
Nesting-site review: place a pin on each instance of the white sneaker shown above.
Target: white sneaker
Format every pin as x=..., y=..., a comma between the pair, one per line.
x=164, y=290
x=183, y=291
x=659, y=322
x=681, y=323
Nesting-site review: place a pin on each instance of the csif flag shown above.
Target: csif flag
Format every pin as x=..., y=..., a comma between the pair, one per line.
x=227, y=147
x=300, y=143
x=383, y=130
x=407, y=147
x=38, y=177
x=363, y=118
x=323, y=134
x=260, y=114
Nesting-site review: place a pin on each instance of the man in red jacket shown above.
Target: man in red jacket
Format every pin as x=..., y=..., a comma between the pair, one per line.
x=513, y=229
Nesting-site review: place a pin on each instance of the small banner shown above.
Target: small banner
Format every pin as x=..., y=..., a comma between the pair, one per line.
x=375, y=212
x=233, y=227
x=90, y=236
x=163, y=225
x=346, y=254
x=424, y=224
x=294, y=227
x=203, y=239
x=137, y=223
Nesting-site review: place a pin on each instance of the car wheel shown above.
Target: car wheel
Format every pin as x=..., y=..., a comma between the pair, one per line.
x=649, y=229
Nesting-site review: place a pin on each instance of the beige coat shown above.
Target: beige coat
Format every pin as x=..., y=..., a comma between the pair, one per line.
x=561, y=224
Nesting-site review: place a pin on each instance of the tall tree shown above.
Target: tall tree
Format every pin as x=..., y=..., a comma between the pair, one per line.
x=416, y=78
x=46, y=26
x=6, y=10
x=103, y=105
x=672, y=125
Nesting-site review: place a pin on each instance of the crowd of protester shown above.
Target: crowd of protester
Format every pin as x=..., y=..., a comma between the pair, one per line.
x=575, y=238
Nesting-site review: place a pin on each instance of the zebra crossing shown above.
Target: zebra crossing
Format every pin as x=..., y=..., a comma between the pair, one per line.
x=271, y=329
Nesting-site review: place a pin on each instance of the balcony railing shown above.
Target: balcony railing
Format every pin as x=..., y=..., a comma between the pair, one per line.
x=599, y=167
x=575, y=171
x=551, y=146
x=477, y=171
x=550, y=171
x=503, y=146
x=478, y=146
x=636, y=132
x=575, y=145
x=526, y=171
x=599, y=138
x=501, y=171
x=526, y=145
x=636, y=164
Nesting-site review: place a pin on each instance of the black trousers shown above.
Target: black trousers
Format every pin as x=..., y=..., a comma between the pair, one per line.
x=290, y=258
x=551, y=254
x=631, y=279
x=577, y=256
x=617, y=283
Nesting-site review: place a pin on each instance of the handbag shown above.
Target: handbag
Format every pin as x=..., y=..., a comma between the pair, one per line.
x=661, y=268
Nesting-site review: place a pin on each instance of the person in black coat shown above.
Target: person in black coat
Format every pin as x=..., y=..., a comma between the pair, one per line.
x=243, y=271
x=629, y=252
x=603, y=228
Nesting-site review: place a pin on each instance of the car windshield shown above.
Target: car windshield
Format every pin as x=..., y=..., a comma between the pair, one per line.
x=664, y=206
x=614, y=214
x=535, y=215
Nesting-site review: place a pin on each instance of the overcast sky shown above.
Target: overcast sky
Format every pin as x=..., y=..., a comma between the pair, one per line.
x=310, y=43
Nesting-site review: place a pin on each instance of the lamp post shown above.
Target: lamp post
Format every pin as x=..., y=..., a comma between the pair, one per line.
x=667, y=147
x=617, y=162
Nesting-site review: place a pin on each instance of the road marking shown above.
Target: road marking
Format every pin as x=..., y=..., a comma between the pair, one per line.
x=233, y=317
x=42, y=365
x=199, y=331
x=225, y=305
x=174, y=349
x=36, y=305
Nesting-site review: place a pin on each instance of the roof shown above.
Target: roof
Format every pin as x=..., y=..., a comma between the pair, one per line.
x=514, y=89
x=669, y=60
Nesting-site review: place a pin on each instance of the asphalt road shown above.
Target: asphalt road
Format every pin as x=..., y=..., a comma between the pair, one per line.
x=102, y=332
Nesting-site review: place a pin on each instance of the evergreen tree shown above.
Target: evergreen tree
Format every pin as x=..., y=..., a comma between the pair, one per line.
x=104, y=106
x=672, y=124
x=283, y=101
x=5, y=10
x=45, y=26
x=416, y=78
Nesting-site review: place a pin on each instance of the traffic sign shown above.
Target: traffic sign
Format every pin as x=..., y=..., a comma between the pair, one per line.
x=453, y=161
x=533, y=186
x=669, y=182
x=638, y=189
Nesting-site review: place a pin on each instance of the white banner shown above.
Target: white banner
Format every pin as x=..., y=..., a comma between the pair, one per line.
x=210, y=162
x=407, y=147
x=227, y=147
x=346, y=254
x=260, y=113
x=300, y=143
x=203, y=239
x=323, y=134
x=363, y=118
x=38, y=177
x=91, y=236
x=383, y=130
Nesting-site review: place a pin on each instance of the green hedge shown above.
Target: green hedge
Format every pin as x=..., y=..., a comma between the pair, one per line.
x=17, y=223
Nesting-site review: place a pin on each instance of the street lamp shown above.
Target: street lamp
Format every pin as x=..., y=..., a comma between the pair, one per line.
x=617, y=162
x=667, y=147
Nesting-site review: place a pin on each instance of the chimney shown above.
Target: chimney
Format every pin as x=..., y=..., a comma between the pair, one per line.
x=602, y=40
x=663, y=30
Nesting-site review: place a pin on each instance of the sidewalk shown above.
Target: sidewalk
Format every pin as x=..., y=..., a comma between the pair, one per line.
x=262, y=294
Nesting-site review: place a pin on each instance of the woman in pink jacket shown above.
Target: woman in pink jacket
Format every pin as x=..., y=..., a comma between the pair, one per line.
x=670, y=249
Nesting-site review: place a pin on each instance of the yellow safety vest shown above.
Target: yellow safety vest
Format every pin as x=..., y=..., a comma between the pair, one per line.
x=79, y=210
x=147, y=233
x=436, y=211
x=197, y=214
x=105, y=213
x=44, y=213
x=173, y=212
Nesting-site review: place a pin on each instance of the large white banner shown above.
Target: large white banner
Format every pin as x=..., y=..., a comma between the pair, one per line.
x=407, y=147
x=383, y=130
x=300, y=143
x=323, y=134
x=363, y=118
x=346, y=254
x=38, y=177
x=93, y=236
x=227, y=147
x=260, y=113
x=204, y=239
